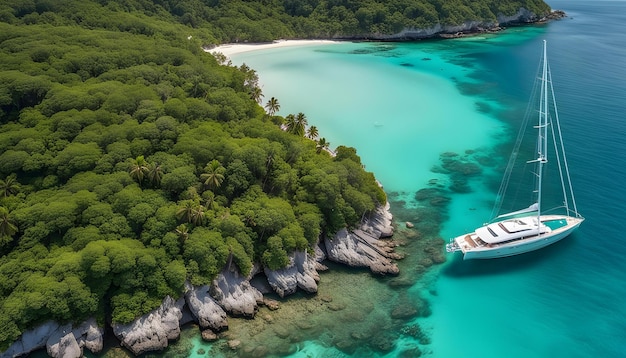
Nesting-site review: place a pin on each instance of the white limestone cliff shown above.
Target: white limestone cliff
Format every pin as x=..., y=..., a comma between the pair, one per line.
x=301, y=273
x=153, y=331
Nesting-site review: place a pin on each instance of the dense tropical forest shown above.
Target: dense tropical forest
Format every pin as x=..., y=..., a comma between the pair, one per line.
x=221, y=21
x=131, y=160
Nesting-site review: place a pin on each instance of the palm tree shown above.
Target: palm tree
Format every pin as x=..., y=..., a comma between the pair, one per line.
x=290, y=123
x=183, y=232
x=198, y=215
x=322, y=144
x=9, y=186
x=272, y=106
x=312, y=132
x=155, y=174
x=139, y=169
x=209, y=200
x=7, y=228
x=296, y=124
x=301, y=123
x=185, y=213
x=214, y=174
x=256, y=94
x=191, y=212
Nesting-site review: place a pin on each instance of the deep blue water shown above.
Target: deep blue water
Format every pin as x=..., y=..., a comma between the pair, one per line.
x=566, y=300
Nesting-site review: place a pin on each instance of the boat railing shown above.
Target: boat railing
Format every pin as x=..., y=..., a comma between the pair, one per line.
x=452, y=246
x=568, y=211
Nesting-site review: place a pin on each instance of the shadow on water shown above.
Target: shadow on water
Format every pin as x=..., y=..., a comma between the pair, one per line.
x=458, y=268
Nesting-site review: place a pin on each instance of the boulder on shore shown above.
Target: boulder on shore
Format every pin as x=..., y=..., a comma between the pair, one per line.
x=90, y=336
x=360, y=249
x=153, y=331
x=301, y=273
x=235, y=294
x=205, y=309
x=31, y=340
x=59, y=341
x=63, y=344
x=379, y=223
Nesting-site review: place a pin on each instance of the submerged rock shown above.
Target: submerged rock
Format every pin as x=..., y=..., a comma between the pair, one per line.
x=272, y=305
x=234, y=344
x=209, y=336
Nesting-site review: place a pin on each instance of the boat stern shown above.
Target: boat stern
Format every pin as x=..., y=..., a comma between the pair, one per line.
x=452, y=246
x=463, y=243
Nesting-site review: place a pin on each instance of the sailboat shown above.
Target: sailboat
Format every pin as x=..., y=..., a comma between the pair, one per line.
x=531, y=228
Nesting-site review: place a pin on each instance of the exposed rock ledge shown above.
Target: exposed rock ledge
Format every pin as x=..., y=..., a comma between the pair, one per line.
x=230, y=293
x=154, y=330
x=301, y=273
x=205, y=309
x=235, y=294
x=60, y=341
x=362, y=247
x=522, y=16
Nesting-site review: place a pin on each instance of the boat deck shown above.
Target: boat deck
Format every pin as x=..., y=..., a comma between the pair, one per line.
x=469, y=241
x=555, y=224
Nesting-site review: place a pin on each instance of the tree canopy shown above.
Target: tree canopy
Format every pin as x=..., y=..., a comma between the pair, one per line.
x=215, y=21
x=131, y=160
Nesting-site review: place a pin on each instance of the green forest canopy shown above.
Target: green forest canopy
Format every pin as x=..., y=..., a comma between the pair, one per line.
x=221, y=21
x=131, y=160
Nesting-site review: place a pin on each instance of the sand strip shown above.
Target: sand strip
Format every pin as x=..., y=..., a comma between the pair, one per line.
x=232, y=49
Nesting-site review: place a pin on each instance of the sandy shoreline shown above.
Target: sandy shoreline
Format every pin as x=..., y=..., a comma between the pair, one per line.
x=235, y=48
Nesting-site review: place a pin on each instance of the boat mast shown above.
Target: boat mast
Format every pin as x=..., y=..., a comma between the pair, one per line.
x=559, y=147
x=542, y=127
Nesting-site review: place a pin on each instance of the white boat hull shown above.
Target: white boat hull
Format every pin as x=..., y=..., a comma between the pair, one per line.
x=520, y=246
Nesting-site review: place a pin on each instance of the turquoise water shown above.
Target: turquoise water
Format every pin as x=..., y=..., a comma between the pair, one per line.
x=404, y=105
x=386, y=100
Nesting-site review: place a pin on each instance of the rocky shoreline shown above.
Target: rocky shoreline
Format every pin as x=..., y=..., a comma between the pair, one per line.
x=230, y=294
x=468, y=28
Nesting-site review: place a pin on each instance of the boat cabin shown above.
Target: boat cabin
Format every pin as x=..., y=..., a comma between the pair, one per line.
x=513, y=229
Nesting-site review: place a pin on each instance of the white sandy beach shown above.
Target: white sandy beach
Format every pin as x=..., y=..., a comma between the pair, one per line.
x=235, y=48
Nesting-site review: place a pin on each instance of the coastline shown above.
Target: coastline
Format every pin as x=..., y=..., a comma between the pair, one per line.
x=224, y=312
x=237, y=48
